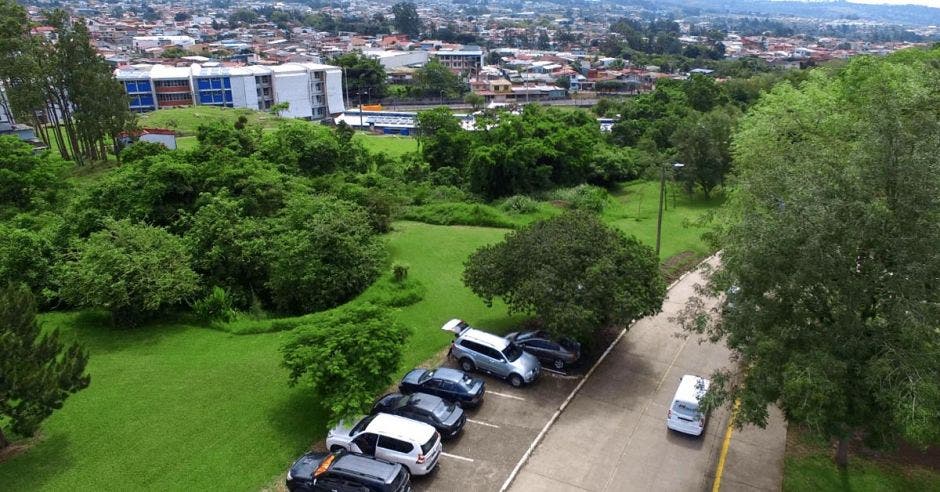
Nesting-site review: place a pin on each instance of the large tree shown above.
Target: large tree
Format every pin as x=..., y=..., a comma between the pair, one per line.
x=407, y=20
x=831, y=245
x=703, y=143
x=365, y=77
x=347, y=356
x=434, y=79
x=575, y=273
x=37, y=370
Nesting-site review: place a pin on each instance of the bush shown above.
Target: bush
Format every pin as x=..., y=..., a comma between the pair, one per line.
x=323, y=253
x=584, y=197
x=399, y=272
x=458, y=214
x=216, y=306
x=520, y=204
x=131, y=270
x=348, y=356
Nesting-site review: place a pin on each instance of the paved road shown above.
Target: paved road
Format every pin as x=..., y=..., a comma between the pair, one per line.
x=612, y=437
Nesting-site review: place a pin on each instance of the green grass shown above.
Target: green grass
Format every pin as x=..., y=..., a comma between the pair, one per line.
x=809, y=466
x=184, y=407
x=820, y=474
x=393, y=145
x=186, y=120
x=634, y=210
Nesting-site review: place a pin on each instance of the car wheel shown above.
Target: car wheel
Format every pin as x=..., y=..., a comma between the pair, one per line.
x=558, y=364
x=336, y=448
x=516, y=380
x=466, y=364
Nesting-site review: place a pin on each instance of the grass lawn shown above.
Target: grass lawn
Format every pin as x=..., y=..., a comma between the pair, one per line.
x=809, y=466
x=175, y=407
x=393, y=145
x=186, y=120
x=634, y=211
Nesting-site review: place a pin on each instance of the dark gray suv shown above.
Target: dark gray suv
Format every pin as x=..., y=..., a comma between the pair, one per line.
x=346, y=472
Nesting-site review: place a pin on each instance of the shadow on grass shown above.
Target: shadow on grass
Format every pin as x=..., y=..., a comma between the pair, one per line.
x=299, y=418
x=45, y=458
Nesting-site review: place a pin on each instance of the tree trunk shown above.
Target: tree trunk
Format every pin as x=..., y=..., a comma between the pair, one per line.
x=842, y=452
x=3, y=440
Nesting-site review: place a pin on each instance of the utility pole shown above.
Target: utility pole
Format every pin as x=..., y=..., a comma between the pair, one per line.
x=662, y=197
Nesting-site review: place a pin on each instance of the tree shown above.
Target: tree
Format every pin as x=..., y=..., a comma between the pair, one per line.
x=573, y=272
x=131, y=270
x=281, y=107
x=407, y=20
x=348, y=356
x=323, y=253
x=37, y=370
x=182, y=16
x=434, y=79
x=444, y=143
x=365, y=76
x=702, y=143
x=831, y=242
x=28, y=180
x=475, y=100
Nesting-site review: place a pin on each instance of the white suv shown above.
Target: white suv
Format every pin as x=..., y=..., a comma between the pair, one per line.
x=414, y=444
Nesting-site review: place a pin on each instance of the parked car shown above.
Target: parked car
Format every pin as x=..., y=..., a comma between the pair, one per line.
x=449, y=384
x=561, y=353
x=478, y=350
x=391, y=438
x=684, y=414
x=328, y=472
x=446, y=417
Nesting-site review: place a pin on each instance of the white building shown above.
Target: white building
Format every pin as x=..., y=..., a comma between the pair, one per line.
x=395, y=58
x=148, y=42
x=312, y=91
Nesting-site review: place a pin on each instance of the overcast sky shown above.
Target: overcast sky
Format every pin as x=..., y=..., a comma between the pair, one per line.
x=928, y=3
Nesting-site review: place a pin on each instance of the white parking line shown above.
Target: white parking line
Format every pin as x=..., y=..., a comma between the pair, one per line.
x=559, y=374
x=487, y=424
x=504, y=395
x=456, y=457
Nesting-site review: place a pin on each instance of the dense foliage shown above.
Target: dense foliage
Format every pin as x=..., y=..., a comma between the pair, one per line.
x=831, y=245
x=37, y=370
x=573, y=272
x=347, y=356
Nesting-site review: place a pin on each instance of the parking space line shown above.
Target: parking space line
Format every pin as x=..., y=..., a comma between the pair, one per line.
x=487, y=424
x=454, y=456
x=504, y=395
x=559, y=374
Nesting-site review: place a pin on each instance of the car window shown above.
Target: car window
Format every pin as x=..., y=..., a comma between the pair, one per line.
x=512, y=352
x=360, y=426
x=476, y=347
x=428, y=446
x=539, y=344
x=396, y=445
x=432, y=384
x=685, y=408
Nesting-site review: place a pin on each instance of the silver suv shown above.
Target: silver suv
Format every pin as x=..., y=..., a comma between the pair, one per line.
x=479, y=350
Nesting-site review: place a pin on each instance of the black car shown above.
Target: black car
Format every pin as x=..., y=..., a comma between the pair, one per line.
x=449, y=384
x=559, y=354
x=346, y=472
x=446, y=417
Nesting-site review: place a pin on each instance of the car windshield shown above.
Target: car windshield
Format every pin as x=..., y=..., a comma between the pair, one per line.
x=512, y=352
x=686, y=409
x=424, y=377
x=428, y=446
x=361, y=426
x=441, y=409
x=400, y=480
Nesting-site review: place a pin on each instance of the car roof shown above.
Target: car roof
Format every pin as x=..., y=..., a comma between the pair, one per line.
x=448, y=374
x=363, y=465
x=400, y=428
x=689, y=391
x=489, y=339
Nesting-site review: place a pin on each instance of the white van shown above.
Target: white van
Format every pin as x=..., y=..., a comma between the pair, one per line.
x=684, y=415
x=391, y=438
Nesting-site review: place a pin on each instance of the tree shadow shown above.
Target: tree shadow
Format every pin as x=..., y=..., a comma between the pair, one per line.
x=299, y=419
x=36, y=466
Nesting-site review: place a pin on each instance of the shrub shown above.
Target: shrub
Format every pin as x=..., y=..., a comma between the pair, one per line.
x=399, y=272
x=131, y=270
x=583, y=197
x=216, y=306
x=520, y=204
x=458, y=214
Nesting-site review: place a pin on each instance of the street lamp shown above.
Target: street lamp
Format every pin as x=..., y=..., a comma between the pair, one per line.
x=662, y=197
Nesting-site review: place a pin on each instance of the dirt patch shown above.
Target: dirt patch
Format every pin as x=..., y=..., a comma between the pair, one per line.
x=17, y=448
x=677, y=264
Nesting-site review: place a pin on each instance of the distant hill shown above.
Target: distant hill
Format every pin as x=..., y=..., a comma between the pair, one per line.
x=911, y=15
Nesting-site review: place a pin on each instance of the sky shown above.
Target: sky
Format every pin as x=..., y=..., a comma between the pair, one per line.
x=927, y=3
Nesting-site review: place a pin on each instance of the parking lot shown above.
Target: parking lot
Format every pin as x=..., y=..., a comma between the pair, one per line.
x=497, y=433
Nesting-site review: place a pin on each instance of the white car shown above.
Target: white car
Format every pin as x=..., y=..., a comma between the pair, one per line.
x=414, y=444
x=684, y=414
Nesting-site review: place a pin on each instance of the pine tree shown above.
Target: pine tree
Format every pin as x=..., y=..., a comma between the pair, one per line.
x=37, y=371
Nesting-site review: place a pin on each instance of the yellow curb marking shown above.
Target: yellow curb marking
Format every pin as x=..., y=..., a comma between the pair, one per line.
x=724, y=449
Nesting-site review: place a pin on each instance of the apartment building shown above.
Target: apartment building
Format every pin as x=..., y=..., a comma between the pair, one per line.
x=312, y=91
x=466, y=60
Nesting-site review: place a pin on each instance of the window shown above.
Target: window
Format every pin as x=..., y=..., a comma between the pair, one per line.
x=396, y=445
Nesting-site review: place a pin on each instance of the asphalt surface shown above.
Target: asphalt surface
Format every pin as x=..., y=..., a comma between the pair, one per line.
x=613, y=437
